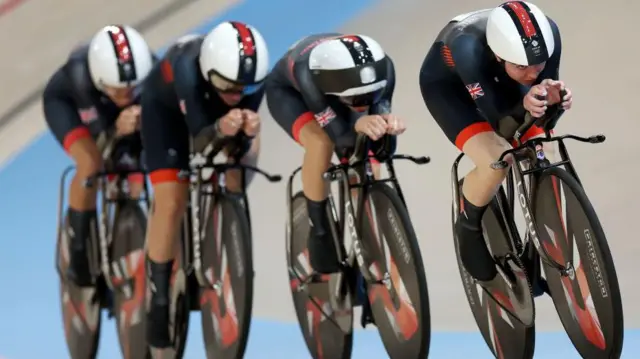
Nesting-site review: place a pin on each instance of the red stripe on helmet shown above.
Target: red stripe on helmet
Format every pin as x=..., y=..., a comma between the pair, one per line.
x=524, y=16
x=246, y=38
x=120, y=43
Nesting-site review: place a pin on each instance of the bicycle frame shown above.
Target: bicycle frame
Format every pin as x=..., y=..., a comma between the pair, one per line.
x=100, y=250
x=531, y=151
x=199, y=197
x=360, y=162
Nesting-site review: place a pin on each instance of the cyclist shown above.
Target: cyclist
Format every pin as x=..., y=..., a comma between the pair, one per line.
x=486, y=66
x=321, y=92
x=207, y=88
x=93, y=95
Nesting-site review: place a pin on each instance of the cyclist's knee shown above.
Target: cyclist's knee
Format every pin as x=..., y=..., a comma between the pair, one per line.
x=484, y=149
x=170, y=199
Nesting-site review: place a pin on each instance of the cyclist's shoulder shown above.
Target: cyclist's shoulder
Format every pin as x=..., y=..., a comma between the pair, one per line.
x=179, y=65
x=468, y=25
x=74, y=75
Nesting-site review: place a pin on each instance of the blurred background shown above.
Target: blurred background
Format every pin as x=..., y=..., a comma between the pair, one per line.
x=599, y=63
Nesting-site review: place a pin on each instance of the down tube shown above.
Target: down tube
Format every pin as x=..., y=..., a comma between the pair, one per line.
x=523, y=200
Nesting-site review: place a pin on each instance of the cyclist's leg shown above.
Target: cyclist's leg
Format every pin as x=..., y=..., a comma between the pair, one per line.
x=457, y=116
x=166, y=142
x=289, y=110
x=61, y=115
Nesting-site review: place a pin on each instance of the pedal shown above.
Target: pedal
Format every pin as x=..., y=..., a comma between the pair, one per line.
x=367, y=315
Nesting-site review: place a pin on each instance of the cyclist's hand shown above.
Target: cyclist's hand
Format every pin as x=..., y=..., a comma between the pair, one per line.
x=231, y=123
x=536, y=107
x=251, y=126
x=567, y=100
x=395, y=125
x=374, y=126
x=553, y=91
x=128, y=121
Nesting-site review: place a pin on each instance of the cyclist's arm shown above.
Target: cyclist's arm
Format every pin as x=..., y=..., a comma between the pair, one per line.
x=468, y=54
x=317, y=104
x=383, y=106
x=186, y=80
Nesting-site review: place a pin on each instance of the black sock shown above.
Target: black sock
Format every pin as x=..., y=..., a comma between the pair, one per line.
x=160, y=276
x=472, y=213
x=318, y=216
x=81, y=222
x=474, y=253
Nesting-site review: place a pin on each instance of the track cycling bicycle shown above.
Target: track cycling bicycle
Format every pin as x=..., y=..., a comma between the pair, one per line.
x=563, y=238
x=213, y=271
x=382, y=271
x=116, y=256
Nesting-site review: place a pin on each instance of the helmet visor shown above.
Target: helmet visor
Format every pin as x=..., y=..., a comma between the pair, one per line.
x=224, y=85
x=366, y=99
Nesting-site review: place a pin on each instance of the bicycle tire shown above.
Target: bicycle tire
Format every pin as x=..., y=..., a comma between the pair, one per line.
x=325, y=338
x=128, y=256
x=594, y=337
x=81, y=308
x=227, y=337
x=409, y=336
x=505, y=335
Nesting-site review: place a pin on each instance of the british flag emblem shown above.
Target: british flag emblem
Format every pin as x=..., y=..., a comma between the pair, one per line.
x=325, y=117
x=88, y=115
x=475, y=90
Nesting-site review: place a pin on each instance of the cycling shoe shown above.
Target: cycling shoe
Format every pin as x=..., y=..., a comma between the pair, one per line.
x=322, y=254
x=79, y=270
x=158, y=323
x=474, y=253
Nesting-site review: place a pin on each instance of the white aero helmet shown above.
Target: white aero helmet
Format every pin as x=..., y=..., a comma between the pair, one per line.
x=119, y=57
x=352, y=67
x=519, y=32
x=234, y=55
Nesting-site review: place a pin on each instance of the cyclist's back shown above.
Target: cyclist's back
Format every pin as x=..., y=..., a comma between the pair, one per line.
x=162, y=79
x=296, y=59
x=72, y=85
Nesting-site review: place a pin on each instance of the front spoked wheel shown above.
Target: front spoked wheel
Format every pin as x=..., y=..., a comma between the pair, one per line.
x=327, y=332
x=80, y=307
x=227, y=264
x=400, y=302
x=505, y=334
x=587, y=295
x=129, y=279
